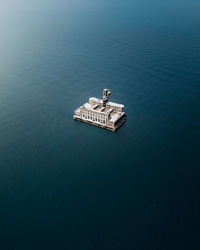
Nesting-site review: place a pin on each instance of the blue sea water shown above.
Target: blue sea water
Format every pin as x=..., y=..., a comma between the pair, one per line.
x=69, y=185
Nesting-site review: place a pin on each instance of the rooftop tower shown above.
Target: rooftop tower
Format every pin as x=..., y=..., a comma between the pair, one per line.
x=106, y=94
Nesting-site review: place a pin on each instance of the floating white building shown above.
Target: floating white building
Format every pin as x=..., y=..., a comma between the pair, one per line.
x=101, y=113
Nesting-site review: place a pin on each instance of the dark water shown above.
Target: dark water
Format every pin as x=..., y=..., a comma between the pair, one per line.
x=67, y=185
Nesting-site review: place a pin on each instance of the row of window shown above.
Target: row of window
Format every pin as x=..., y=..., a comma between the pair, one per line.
x=94, y=114
x=94, y=119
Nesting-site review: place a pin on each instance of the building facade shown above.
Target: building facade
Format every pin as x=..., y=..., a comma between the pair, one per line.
x=101, y=113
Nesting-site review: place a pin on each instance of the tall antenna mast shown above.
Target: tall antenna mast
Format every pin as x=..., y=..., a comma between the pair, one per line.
x=106, y=94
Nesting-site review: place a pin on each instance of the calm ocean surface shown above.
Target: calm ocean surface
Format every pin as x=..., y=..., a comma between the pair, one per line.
x=70, y=186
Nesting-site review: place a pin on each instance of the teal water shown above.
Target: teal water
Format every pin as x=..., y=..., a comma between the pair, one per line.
x=68, y=185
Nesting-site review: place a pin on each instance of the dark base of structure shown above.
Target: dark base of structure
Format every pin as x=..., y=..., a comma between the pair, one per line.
x=101, y=126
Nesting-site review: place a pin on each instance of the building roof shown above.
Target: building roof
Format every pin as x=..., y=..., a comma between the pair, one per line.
x=115, y=117
x=115, y=104
x=108, y=103
x=87, y=105
x=95, y=99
